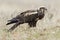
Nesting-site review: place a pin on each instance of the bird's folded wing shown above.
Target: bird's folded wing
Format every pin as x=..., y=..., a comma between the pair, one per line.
x=28, y=11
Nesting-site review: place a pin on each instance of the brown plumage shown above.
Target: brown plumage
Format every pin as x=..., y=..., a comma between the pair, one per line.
x=30, y=19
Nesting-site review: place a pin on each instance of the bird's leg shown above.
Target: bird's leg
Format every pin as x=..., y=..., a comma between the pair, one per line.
x=34, y=23
x=30, y=24
x=14, y=26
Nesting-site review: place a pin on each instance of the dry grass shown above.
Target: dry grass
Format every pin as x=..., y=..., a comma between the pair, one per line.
x=46, y=29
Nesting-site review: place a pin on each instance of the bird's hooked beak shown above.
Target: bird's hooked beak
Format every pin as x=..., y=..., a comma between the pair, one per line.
x=45, y=9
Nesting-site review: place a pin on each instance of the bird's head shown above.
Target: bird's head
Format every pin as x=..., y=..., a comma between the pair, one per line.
x=42, y=9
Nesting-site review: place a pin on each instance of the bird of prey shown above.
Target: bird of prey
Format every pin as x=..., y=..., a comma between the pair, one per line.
x=30, y=19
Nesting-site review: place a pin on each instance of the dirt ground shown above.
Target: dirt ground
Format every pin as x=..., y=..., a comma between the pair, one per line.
x=46, y=29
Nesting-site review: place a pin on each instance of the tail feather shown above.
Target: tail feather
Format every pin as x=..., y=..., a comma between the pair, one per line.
x=14, y=26
x=12, y=21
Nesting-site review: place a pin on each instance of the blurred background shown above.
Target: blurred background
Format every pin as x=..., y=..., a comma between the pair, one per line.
x=46, y=29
